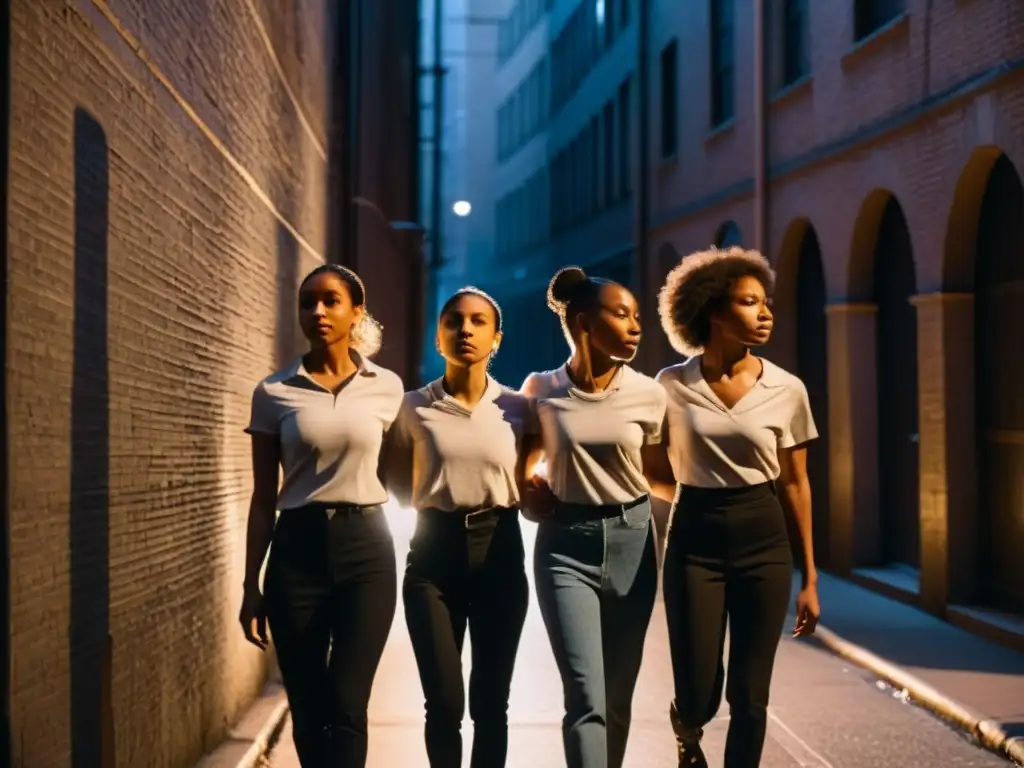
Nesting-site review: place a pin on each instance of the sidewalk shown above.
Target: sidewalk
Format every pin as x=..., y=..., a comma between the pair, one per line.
x=958, y=675
x=824, y=713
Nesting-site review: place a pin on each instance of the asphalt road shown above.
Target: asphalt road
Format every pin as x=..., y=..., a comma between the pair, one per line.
x=825, y=713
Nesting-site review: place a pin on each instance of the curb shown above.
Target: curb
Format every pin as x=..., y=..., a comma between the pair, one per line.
x=988, y=732
x=250, y=739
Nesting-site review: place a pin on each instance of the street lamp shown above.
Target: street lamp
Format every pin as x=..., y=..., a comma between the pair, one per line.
x=462, y=208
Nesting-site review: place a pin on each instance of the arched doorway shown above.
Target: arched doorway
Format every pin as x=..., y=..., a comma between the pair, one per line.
x=728, y=235
x=893, y=284
x=812, y=368
x=999, y=371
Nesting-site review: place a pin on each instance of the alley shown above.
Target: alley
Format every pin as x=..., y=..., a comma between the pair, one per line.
x=825, y=712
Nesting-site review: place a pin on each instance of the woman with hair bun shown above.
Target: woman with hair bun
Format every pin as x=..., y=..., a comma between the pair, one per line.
x=737, y=432
x=330, y=589
x=594, y=562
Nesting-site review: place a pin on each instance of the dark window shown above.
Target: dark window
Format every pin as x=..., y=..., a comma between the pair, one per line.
x=625, y=165
x=722, y=70
x=795, y=41
x=728, y=235
x=871, y=15
x=669, y=92
x=609, y=153
x=595, y=164
x=623, y=13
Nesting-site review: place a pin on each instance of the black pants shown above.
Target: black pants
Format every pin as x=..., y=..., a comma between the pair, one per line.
x=466, y=570
x=727, y=557
x=331, y=590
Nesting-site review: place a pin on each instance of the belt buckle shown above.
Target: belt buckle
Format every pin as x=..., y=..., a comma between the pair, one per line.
x=468, y=519
x=331, y=512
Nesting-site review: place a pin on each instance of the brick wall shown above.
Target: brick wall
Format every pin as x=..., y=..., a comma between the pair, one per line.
x=918, y=112
x=151, y=285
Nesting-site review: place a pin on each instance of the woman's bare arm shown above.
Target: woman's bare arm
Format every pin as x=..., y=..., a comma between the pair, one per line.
x=266, y=457
x=795, y=487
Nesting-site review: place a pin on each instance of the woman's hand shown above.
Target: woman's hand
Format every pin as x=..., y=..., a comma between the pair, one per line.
x=807, y=611
x=253, y=618
x=538, y=502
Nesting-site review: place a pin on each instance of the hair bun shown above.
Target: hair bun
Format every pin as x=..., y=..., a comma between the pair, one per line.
x=563, y=287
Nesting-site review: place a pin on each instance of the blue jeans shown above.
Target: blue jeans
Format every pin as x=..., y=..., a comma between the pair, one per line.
x=597, y=578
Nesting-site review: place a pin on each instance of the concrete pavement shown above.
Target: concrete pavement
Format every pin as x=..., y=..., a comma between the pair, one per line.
x=825, y=713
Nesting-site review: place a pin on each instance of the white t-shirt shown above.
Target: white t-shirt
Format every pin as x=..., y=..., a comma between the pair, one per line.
x=711, y=446
x=330, y=444
x=592, y=440
x=443, y=455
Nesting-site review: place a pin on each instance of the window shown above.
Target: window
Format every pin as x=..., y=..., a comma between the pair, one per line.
x=595, y=164
x=625, y=169
x=609, y=153
x=722, y=73
x=871, y=15
x=623, y=13
x=795, y=41
x=669, y=93
x=728, y=235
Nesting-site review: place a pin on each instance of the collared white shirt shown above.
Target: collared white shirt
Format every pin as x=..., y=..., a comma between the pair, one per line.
x=330, y=443
x=712, y=446
x=443, y=455
x=592, y=440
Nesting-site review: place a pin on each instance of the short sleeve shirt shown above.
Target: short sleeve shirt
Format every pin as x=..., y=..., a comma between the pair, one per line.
x=443, y=455
x=330, y=443
x=592, y=440
x=711, y=446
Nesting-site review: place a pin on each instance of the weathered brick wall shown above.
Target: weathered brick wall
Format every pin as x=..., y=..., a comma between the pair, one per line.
x=823, y=160
x=151, y=284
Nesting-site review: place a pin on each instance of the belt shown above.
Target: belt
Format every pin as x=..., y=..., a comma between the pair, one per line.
x=471, y=518
x=332, y=509
x=566, y=512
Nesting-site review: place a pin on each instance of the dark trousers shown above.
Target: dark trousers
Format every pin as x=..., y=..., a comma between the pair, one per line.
x=466, y=571
x=330, y=591
x=727, y=558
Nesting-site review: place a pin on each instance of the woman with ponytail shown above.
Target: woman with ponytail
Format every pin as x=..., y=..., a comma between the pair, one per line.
x=330, y=589
x=594, y=562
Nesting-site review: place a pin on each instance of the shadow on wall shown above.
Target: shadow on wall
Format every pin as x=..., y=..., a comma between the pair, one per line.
x=90, y=644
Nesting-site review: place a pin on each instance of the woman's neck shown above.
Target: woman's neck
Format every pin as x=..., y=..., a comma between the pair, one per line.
x=466, y=384
x=726, y=358
x=333, y=359
x=595, y=376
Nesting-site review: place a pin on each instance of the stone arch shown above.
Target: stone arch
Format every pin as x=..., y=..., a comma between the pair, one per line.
x=960, y=251
x=728, y=234
x=997, y=248
x=861, y=267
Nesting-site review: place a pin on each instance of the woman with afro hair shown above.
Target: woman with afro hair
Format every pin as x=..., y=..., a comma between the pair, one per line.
x=737, y=427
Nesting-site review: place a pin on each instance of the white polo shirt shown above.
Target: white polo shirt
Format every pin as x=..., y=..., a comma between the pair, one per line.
x=711, y=446
x=592, y=440
x=330, y=444
x=443, y=455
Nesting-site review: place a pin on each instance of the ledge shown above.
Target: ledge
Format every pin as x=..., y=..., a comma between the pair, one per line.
x=716, y=132
x=863, y=48
x=793, y=90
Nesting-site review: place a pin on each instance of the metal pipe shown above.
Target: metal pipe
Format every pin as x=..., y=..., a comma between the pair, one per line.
x=760, y=133
x=642, y=185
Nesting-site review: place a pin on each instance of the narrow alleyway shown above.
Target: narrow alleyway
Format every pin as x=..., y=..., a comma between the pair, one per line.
x=825, y=712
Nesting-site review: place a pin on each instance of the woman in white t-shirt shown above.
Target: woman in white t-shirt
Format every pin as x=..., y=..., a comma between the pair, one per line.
x=737, y=424
x=332, y=562
x=594, y=563
x=453, y=455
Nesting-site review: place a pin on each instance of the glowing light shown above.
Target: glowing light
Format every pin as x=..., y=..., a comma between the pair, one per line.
x=599, y=12
x=541, y=469
x=462, y=208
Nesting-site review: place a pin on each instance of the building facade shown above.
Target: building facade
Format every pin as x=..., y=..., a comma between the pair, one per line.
x=873, y=150
x=170, y=176
x=876, y=157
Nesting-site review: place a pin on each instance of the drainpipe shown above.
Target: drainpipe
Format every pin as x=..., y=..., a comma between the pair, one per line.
x=641, y=188
x=760, y=133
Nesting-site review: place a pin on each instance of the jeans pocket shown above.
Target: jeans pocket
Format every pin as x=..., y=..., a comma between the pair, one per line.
x=638, y=517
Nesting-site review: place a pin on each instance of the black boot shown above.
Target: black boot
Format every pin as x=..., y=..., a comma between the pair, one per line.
x=687, y=742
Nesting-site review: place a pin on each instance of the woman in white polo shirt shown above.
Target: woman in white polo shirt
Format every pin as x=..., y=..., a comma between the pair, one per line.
x=594, y=562
x=330, y=589
x=453, y=455
x=736, y=424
